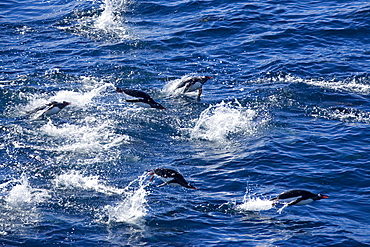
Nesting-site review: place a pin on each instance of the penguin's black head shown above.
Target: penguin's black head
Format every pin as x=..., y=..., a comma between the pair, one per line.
x=319, y=197
x=205, y=78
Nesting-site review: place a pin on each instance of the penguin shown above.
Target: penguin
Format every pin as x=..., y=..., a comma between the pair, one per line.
x=304, y=197
x=193, y=84
x=49, y=109
x=170, y=177
x=141, y=98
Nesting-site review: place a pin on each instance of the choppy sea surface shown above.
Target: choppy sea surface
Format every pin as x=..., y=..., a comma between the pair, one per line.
x=288, y=107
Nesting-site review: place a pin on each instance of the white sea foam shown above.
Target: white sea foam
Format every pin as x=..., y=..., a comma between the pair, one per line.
x=255, y=204
x=74, y=179
x=134, y=205
x=20, y=205
x=22, y=194
x=219, y=121
x=344, y=114
x=80, y=99
x=351, y=85
x=111, y=20
x=90, y=134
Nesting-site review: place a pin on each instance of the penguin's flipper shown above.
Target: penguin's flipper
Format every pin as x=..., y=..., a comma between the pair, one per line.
x=181, y=84
x=187, y=87
x=37, y=109
x=40, y=113
x=161, y=185
x=134, y=100
x=294, y=202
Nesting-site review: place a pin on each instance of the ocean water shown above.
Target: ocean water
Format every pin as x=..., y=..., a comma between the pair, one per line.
x=288, y=107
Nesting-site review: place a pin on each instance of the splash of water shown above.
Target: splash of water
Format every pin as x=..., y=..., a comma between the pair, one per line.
x=23, y=194
x=90, y=134
x=218, y=122
x=78, y=100
x=134, y=205
x=256, y=204
x=111, y=18
x=20, y=208
x=74, y=179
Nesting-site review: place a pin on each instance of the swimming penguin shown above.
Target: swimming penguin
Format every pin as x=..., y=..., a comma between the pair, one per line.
x=304, y=197
x=141, y=98
x=170, y=177
x=50, y=108
x=193, y=84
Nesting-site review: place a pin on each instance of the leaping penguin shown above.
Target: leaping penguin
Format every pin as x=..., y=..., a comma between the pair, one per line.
x=193, y=84
x=50, y=108
x=141, y=98
x=304, y=197
x=170, y=177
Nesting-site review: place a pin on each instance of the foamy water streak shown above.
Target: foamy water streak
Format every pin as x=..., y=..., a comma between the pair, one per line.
x=350, y=85
x=344, y=114
x=219, y=121
x=74, y=179
x=134, y=205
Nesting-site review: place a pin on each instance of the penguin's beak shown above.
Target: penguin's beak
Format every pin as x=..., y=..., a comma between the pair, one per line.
x=324, y=197
x=192, y=187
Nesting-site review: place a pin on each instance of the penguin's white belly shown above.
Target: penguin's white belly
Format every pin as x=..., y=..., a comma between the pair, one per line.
x=194, y=87
x=165, y=179
x=304, y=202
x=141, y=104
x=52, y=111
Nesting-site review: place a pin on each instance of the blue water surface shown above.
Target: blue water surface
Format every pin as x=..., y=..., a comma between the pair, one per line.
x=287, y=108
